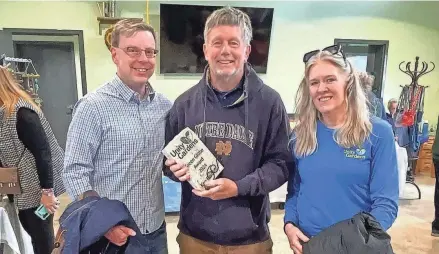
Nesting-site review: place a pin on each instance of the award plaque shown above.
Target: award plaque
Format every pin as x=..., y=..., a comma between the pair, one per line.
x=188, y=149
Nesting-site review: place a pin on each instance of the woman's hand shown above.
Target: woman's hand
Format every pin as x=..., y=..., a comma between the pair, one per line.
x=50, y=202
x=294, y=237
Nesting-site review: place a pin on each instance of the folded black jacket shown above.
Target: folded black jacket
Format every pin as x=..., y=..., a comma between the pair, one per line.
x=361, y=234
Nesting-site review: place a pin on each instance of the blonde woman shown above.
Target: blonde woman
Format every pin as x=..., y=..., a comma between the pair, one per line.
x=345, y=158
x=27, y=142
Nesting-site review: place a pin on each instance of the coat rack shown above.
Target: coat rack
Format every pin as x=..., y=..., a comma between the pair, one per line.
x=411, y=104
x=415, y=74
x=26, y=77
x=413, y=94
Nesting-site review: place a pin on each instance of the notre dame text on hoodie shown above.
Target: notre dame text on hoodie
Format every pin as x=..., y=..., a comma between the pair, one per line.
x=249, y=137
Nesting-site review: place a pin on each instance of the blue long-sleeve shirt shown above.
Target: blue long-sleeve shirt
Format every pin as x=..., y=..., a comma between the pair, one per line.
x=335, y=183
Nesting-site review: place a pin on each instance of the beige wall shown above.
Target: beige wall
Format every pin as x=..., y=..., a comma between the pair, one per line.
x=298, y=27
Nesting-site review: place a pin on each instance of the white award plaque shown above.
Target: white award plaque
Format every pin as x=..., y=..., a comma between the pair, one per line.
x=188, y=149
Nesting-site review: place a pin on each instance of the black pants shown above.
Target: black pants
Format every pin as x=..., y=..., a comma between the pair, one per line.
x=41, y=231
x=436, y=195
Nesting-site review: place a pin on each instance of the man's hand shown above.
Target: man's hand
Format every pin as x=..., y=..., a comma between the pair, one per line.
x=218, y=189
x=180, y=171
x=294, y=237
x=118, y=235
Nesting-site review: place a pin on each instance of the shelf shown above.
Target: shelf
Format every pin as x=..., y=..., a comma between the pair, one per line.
x=111, y=21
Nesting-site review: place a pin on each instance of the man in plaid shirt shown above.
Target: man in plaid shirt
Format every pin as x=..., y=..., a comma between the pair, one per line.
x=116, y=136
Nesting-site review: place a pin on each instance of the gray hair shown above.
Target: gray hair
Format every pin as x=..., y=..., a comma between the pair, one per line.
x=366, y=80
x=229, y=16
x=391, y=101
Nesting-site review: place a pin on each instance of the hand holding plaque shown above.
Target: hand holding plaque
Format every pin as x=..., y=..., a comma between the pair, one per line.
x=200, y=165
x=218, y=189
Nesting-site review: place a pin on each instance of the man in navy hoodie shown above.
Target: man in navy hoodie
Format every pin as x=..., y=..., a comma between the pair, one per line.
x=243, y=122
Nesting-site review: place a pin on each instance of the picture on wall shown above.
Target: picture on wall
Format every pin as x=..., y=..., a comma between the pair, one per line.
x=182, y=37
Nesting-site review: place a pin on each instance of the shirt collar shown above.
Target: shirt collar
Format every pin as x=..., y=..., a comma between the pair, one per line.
x=128, y=94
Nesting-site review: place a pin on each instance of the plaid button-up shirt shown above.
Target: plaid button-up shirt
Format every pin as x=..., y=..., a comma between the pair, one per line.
x=114, y=147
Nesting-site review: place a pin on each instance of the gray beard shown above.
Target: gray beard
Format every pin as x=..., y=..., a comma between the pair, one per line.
x=225, y=76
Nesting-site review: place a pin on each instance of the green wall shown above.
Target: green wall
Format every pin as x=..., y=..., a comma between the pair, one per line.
x=412, y=29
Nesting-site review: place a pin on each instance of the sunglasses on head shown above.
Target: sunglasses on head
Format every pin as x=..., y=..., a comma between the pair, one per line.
x=334, y=50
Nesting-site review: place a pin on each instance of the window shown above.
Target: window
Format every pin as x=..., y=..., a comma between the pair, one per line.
x=359, y=61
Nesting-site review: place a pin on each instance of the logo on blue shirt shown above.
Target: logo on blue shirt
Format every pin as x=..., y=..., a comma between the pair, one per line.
x=358, y=153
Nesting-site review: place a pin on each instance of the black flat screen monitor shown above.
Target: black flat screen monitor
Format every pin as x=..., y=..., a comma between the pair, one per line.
x=181, y=37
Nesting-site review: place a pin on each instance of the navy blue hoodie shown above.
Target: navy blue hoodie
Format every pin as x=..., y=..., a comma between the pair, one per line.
x=249, y=137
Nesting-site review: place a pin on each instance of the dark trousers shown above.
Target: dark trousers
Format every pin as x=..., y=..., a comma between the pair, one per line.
x=436, y=195
x=157, y=241
x=41, y=231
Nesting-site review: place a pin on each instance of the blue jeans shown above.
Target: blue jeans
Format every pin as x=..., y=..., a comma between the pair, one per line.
x=157, y=241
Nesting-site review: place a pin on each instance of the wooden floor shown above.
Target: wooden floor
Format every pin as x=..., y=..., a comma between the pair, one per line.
x=410, y=233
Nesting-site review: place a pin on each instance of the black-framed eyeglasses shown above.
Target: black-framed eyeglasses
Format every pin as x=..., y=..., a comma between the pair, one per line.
x=137, y=52
x=334, y=49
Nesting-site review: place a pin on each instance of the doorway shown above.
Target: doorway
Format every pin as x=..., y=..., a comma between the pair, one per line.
x=58, y=56
x=55, y=63
x=369, y=56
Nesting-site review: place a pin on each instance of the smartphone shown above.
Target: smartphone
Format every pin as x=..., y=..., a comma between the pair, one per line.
x=42, y=212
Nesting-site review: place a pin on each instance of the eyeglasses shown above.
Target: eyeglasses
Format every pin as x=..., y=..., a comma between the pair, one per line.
x=334, y=49
x=137, y=52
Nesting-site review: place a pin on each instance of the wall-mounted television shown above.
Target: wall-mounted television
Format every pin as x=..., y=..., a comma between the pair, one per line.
x=181, y=37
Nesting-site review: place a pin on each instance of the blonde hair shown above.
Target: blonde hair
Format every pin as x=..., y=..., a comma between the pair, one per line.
x=357, y=126
x=10, y=92
x=107, y=37
x=128, y=27
x=229, y=16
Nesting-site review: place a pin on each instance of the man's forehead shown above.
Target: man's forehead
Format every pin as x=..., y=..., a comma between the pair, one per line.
x=138, y=39
x=225, y=31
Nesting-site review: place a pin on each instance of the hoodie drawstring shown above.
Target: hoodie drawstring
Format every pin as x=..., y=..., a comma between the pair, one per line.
x=247, y=131
x=204, y=131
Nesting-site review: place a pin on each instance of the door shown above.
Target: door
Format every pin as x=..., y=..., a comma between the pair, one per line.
x=369, y=56
x=55, y=62
x=6, y=45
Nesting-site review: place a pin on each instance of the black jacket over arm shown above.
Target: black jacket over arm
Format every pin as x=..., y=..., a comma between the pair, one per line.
x=361, y=234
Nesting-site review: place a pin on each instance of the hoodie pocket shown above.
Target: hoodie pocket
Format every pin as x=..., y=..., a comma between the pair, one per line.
x=223, y=221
